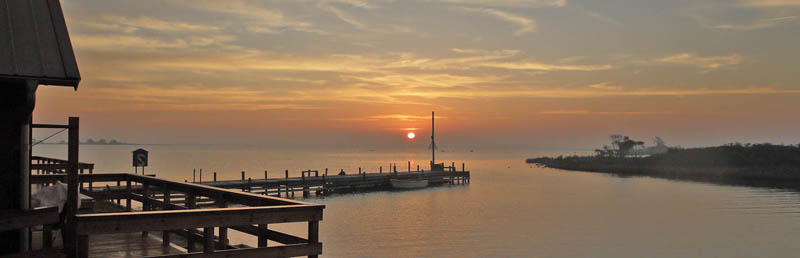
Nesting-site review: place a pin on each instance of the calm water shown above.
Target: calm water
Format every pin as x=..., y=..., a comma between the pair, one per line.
x=510, y=209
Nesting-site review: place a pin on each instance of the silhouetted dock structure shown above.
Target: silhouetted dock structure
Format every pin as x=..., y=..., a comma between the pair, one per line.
x=323, y=183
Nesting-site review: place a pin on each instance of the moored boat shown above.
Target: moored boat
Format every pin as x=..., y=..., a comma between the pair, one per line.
x=409, y=183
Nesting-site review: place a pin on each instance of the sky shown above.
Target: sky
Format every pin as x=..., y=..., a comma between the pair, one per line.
x=515, y=73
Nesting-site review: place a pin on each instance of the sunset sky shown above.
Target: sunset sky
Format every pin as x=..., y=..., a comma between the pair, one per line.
x=536, y=73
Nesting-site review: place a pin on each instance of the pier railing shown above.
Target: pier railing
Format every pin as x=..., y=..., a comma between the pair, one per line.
x=194, y=212
x=45, y=165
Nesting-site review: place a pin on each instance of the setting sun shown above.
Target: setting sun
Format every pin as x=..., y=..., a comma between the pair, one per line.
x=411, y=135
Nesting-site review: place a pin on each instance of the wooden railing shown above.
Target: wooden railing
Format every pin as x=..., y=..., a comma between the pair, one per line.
x=45, y=165
x=44, y=216
x=172, y=207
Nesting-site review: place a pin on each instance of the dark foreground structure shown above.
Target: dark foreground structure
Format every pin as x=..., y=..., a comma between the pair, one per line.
x=111, y=215
x=759, y=164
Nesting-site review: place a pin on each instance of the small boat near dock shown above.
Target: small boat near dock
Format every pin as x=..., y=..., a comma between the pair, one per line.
x=409, y=183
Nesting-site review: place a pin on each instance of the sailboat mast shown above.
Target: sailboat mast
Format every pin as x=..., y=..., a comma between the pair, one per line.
x=433, y=143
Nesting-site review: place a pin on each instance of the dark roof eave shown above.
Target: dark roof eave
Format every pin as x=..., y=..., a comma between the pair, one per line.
x=67, y=82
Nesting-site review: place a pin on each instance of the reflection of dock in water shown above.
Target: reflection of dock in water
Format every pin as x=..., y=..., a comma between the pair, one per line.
x=323, y=184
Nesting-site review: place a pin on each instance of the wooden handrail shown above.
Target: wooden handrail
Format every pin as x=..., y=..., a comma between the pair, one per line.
x=17, y=219
x=121, y=222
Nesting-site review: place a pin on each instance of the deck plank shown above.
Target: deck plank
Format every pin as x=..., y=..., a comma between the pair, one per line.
x=120, y=245
x=128, y=245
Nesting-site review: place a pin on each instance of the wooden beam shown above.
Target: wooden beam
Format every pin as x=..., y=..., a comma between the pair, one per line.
x=16, y=219
x=276, y=251
x=54, y=126
x=276, y=236
x=120, y=222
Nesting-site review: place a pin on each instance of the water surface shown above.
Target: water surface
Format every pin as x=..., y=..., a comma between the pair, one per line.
x=510, y=209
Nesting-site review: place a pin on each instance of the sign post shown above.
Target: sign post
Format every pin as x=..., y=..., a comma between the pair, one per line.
x=139, y=160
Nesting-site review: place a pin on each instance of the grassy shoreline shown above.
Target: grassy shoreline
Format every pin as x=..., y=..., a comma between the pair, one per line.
x=762, y=165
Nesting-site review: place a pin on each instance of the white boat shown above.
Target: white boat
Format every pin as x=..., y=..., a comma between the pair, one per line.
x=409, y=183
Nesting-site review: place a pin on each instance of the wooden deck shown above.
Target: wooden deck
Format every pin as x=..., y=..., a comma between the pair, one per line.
x=120, y=245
x=170, y=210
x=324, y=184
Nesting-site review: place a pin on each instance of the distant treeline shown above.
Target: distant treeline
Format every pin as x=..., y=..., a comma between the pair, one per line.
x=90, y=141
x=737, y=163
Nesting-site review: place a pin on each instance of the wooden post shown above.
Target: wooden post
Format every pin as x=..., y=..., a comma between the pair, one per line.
x=90, y=181
x=223, y=231
x=326, y=171
x=201, y=175
x=263, y=235
x=194, y=174
x=359, y=171
x=265, y=180
x=417, y=167
x=462, y=167
x=119, y=183
x=165, y=233
x=130, y=193
x=145, y=202
x=409, y=166
x=287, y=174
x=71, y=239
x=191, y=203
x=47, y=236
x=242, y=175
x=208, y=240
x=215, y=176
x=83, y=246
x=313, y=233
x=380, y=170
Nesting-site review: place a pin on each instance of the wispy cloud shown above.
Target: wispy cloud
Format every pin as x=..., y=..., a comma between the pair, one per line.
x=707, y=63
x=270, y=20
x=152, y=23
x=325, y=5
x=526, y=25
x=592, y=112
x=759, y=24
x=605, y=86
x=509, y=3
x=771, y=3
x=535, y=66
x=400, y=117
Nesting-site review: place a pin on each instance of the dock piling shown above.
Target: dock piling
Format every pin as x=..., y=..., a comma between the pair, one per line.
x=201, y=175
x=194, y=174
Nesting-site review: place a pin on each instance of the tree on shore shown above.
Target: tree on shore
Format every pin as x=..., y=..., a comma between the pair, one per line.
x=621, y=146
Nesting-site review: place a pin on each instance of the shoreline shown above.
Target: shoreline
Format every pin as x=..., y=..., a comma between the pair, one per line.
x=783, y=177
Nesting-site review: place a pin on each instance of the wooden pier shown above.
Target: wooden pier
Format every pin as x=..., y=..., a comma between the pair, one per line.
x=322, y=183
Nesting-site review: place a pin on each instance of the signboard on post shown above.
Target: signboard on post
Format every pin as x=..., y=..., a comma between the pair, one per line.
x=139, y=159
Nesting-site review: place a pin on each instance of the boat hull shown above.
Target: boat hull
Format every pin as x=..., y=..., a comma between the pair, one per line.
x=409, y=183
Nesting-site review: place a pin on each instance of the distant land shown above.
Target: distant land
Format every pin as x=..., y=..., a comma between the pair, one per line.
x=90, y=141
x=748, y=164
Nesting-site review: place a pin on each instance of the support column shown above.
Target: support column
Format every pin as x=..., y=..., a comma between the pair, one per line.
x=16, y=105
